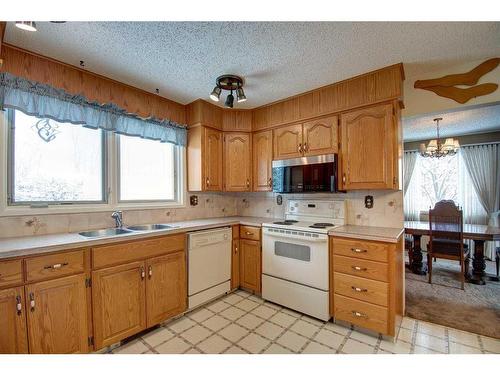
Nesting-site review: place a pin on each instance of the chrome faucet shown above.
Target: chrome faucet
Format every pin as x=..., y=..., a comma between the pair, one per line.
x=118, y=216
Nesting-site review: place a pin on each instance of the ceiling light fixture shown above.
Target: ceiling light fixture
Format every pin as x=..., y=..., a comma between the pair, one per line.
x=436, y=149
x=26, y=25
x=230, y=83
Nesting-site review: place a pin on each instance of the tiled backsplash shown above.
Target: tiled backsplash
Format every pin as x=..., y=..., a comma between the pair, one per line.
x=387, y=211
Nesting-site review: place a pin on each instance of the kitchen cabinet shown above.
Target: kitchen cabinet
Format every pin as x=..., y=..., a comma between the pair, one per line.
x=287, y=142
x=235, y=264
x=237, y=161
x=166, y=290
x=13, y=337
x=250, y=265
x=367, y=283
x=57, y=315
x=369, y=149
x=321, y=136
x=262, y=145
x=204, y=159
x=119, y=302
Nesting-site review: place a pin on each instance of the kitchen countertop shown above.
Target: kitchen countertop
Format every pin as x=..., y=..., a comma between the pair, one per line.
x=29, y=245
x=367, y=233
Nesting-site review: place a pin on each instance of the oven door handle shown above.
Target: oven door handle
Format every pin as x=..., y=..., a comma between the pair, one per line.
x=320, y=238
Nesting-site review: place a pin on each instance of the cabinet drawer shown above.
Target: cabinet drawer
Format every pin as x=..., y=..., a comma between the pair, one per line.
x=361, y=288
x=360, y=267
x=249, y=233
x=54, y=265
x=11, y=272
x=125, y=252
x=370, y=250
x=362, y=314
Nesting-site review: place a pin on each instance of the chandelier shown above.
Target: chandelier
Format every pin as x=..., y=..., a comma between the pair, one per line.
x=437, y=149
x=230, y=83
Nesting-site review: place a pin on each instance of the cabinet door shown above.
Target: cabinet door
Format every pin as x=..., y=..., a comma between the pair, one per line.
x=321, y=136
x=166, y=288
x=250, y=265
x=287, y=142
x=235, y=264
x=13, y=337
x=212, y=160
x=119, y=302
x=367, y=138
x=262, y=144
x=237, y=161
x=57, y=316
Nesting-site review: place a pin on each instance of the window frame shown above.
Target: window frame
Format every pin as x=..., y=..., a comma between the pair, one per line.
x=177, y=185
x=111, y=187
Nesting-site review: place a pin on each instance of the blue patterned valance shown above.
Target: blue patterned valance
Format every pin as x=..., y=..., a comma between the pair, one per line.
x=44, y=101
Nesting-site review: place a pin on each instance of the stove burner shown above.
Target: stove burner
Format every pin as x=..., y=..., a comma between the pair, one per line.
x=321, y=225
x=286, y=222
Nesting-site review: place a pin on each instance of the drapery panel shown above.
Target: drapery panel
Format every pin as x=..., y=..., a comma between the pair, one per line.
x=44, y=101
x=409, y=161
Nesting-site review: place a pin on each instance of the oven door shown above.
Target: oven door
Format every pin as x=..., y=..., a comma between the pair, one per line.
x=300, y=257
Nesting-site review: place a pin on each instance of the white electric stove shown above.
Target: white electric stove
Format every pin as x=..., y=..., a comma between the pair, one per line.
x=295, y=256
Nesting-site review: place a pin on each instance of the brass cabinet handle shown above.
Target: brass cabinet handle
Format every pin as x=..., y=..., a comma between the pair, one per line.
x=270, y=182
x=207, y=182
x=359, y=290
x=248, y=183
x=299, y=149
x=32, y=302
x=150, y=271
x=343, y=178
x=143, y=273
x=236, y=249
x=306, y=147
x=249, y=233
x=55, y=266
x=358, y=251
x=358, y=268
x=358, y=314
x=19, y=306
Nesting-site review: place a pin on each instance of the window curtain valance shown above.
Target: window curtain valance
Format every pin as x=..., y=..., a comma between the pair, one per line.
x=44, y=101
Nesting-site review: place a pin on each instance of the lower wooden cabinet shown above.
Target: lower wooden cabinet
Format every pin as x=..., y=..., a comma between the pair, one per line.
x=13, y=334
x=235, y=264
x=166, y=291
x=250, y=265
x=119, y=302
x=57, y=315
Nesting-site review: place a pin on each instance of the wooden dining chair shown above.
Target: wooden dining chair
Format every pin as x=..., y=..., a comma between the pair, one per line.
x=446, y=232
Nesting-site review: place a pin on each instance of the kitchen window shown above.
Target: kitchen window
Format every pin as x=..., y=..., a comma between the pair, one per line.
x=53, y=163
x=147, y=170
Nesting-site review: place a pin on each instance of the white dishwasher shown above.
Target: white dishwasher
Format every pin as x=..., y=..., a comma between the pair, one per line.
x=209, y=265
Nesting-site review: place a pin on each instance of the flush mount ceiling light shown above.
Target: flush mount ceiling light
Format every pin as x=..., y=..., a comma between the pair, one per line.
x=26, y=25
x=437, y=149
x=230, y=83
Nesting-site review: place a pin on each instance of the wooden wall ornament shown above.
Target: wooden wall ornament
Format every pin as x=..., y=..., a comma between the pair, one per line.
x=446, y=86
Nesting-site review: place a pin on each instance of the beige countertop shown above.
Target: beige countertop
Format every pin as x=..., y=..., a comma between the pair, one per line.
x=367, y=233
x=29, y=245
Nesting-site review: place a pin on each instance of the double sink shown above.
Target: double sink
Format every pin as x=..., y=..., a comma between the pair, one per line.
x=130, y=229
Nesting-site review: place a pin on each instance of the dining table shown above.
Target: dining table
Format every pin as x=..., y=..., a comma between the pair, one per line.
x=475, y=232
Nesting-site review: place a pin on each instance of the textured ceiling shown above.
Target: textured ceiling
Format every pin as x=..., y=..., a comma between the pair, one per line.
x=277, y=59
x=475, y=119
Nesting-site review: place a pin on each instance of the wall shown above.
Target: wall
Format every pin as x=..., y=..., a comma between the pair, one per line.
x=418, y=101
x=470, y=139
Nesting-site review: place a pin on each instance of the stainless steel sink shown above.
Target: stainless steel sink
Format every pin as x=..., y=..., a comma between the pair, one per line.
x=104, y=232
x=149, y=227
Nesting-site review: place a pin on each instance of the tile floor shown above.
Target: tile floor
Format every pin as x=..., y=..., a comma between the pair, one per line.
x=241, y=323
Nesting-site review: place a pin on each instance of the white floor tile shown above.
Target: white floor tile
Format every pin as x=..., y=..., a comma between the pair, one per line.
x=181, y=324
x=367, y=339
x=233, y=298
x=233, y=332
x=264, y=312
x=253, y=343
x=173, y=346
x=422, y=350
x=464, y=338
x=399, y=347
x=292, y=341
x=200, y=315
x=196, y=334
x=337, y=328
x=242, y=293
x=247, y=305
x=456, y=348
x=431, y=329
x=431, y=342
x=291, y=312
x=283, y=320
x=193, y=351
x=405, y=335
x=490, y=344
x=256, y=299
x=269, y=330
x=329, y=338
x=215, y=323
x=249, y=321
x=315, y=348
x=232, y=313
x=218, y=306
x=314, y=321
x=133, y=347
x=304, y=328
x=214, y=345
x=356, y=347
x=157, y=336
x=408, y=323
x=235, y=350
x=277, y=349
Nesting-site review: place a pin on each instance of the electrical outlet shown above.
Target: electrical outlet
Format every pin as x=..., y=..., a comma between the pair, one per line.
x=369, y=201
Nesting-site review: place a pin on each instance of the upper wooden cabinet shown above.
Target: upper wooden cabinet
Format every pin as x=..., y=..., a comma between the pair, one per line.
x=119, y=305
x=321, y=136
x=204, y=113
x=262, y=144
x=237, y=120
x=368, y=139
x=237, y=161
x=204, y=158
x=13, y=337
x=57, y=316
x=287, y=142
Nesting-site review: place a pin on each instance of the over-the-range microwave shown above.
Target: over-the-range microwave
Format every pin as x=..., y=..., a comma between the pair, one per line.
x=305, y=175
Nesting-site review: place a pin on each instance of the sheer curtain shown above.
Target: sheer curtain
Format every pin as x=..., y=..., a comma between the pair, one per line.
x=479, y=187
x=409, y=161
x=411, y=183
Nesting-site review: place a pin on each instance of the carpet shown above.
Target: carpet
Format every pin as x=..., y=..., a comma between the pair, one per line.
x=475, y=309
